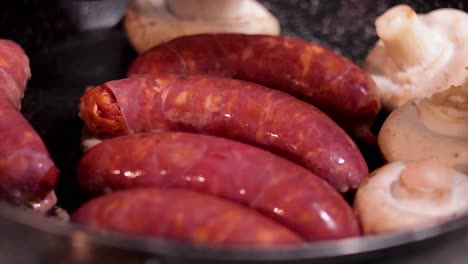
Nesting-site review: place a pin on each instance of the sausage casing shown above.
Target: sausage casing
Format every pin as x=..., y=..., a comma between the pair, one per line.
x=14, y=71
x=183, y=215
x=232, y=170
x=325, y=79
x=27, y=173
x=230, y=108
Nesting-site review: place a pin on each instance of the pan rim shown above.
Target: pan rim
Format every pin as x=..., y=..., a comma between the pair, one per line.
x=167, y=248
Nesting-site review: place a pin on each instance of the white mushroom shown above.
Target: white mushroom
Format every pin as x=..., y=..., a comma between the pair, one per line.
x=150, y=22
x=406, y=195
x=435, y=127
x=418, y=55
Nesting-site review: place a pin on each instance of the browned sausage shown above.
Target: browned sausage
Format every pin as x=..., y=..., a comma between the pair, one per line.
x=225, y=168
x=183, y=215
x=27, y=174
x=311, y=72
x=230, y=108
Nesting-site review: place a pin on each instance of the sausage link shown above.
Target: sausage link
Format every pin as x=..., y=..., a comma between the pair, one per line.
x=183, y=215
x=235, y=171
x=308, y=71
x=27, y=174
x=14, y=71
x=230, y=108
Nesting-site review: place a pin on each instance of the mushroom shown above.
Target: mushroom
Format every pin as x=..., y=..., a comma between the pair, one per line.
x=405, y=195
x=434, y=127
x=150, y=22
x=418, y=55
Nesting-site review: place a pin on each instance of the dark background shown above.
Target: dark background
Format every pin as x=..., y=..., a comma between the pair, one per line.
x=345, y=26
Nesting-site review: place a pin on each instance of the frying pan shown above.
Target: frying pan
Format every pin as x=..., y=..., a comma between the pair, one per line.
x=66, y=57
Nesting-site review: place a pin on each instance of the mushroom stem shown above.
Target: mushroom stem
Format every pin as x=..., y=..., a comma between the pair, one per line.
x=407, y=40
x=209, y=9
x=426, y=180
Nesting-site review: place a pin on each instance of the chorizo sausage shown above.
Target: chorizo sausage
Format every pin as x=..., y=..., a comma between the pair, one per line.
x=313, y=73
x=14, y=71
x=185, y=216
x=230, y=108
x=27, y=173
x=225, y=168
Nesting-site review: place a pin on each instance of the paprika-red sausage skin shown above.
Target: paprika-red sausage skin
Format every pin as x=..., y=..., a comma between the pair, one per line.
x=306, y=70
x=27, y=173
x=229, y=108
x=241, y=173
x=184, y=216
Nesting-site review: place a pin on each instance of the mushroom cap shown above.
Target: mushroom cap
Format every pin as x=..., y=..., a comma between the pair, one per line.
x=381, y=209
x=149, y=22
x=421, y=129
x=398, y=85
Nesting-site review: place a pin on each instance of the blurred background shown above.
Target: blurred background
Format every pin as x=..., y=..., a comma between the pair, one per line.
x=345, y=26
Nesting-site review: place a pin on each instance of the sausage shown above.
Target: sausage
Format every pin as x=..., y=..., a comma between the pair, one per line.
x=235, y=171
x=308, y=71
x=185, y=216
x=229, y=108
x=14, y=71
x=27, y=173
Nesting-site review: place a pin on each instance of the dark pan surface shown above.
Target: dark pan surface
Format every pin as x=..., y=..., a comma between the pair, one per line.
x=65, y=60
